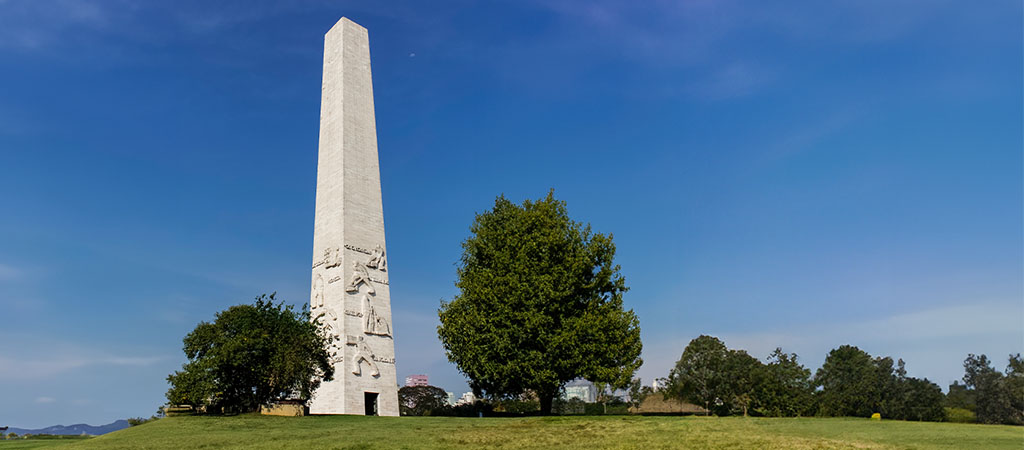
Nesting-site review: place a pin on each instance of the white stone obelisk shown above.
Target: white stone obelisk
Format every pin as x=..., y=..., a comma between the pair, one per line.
x=350, y=292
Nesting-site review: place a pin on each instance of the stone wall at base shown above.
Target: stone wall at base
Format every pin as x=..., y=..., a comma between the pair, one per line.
x=290, y=410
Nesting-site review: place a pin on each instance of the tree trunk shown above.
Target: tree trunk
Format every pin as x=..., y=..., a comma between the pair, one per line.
x=545, y=403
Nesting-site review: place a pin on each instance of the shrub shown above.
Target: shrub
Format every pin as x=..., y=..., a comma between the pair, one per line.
x=573, y=406
x=135, y=421
x=960, y=415
x=518, y=406
x=612, y=408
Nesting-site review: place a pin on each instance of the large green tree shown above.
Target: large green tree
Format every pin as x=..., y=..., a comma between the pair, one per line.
x=849, y=383
x=539, y=304
x=251, y=355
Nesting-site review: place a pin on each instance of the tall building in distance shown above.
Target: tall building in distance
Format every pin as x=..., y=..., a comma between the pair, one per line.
x=581, y=390
x=416, y=380
x=468, y=398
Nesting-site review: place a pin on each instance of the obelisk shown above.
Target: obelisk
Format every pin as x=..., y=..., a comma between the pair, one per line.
x=350, y=293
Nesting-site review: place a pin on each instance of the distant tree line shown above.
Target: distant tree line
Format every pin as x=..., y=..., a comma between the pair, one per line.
x=725, y=381
x=987, y=395
x=432, y=401
x=851, y=382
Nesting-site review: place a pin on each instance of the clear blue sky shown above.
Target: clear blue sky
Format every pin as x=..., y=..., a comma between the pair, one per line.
x=795, y=174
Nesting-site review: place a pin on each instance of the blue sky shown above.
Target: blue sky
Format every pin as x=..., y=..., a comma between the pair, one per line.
x=795, y=174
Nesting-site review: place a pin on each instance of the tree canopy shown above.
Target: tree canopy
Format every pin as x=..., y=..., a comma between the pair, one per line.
x=539, y=304
x=249, y=356
x=727, y=381
x=851, y=382
x=785, y=387
x=700, y=376
x=855, y=384
x=638, y=392
x=422, y=400
x=997, y=398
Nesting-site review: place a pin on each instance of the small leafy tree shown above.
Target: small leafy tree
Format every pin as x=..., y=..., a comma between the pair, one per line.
x=136, y=421
x=743, y=373
x=993, y=392
x=1015, y=387
x=539, y=304
x=923, y=400
x=890, y=381
x=605, y=394
x=638, y=392
x=699, y=375
x=785, y=387
x=421, y=400
x=251, y=355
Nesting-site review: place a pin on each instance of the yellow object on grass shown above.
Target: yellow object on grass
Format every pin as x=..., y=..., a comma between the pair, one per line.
x=876, y=416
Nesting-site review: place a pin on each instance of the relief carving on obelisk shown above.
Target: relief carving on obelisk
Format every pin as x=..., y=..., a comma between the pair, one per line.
x=318, y=292
x=359, y=276
x=333, y=330
x=378, y=260
x=364, y=354
x=374, y=323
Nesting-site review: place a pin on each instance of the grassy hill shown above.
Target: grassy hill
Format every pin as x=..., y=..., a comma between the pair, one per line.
x=357, y=432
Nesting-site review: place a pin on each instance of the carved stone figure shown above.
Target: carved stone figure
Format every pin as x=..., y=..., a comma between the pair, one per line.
x=359, y=276
x=332, y=257
x=372, y=322
x=335, y=350
x=378, y=260
x=318, y=292
x=329, y=321
x=364, y=354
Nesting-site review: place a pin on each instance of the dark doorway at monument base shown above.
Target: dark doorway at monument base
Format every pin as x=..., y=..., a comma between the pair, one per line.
x=370, y=400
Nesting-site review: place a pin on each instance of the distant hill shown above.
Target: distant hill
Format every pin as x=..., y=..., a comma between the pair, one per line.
x=76, y=429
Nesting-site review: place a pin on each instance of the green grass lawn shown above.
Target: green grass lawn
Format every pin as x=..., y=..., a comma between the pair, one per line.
x=48, y=442
x=358, y=432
